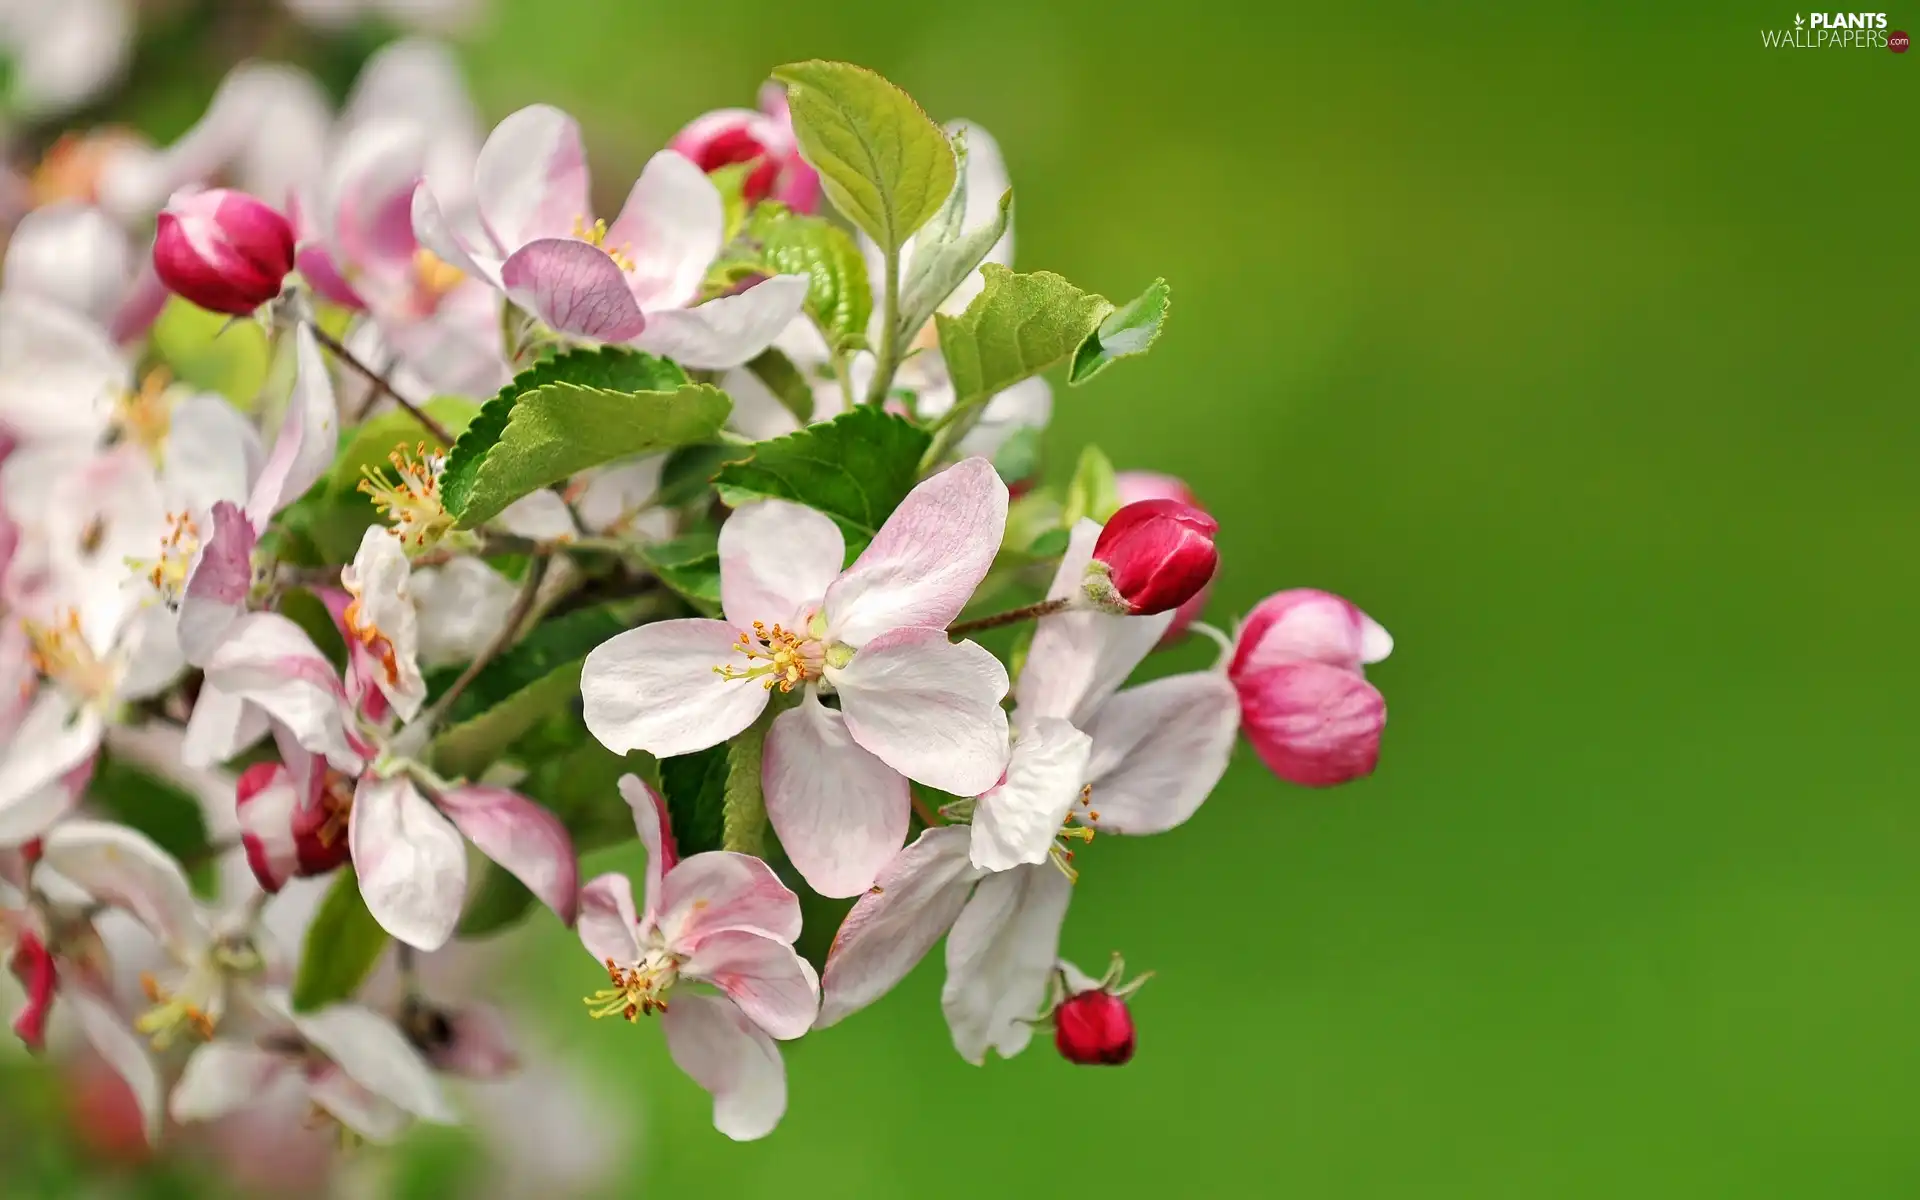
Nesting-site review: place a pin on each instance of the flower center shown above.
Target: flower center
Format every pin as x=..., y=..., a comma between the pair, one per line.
x=1059, y=854
x=144, y=415
x=638, y=990
x=168, y=572
x=59, y=652
x=433, y=278
x=409, y=499
x=782, y=657
x=193, y=1008
x=596, y=235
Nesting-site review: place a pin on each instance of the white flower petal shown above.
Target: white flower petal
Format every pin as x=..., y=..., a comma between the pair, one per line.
x=722, y=1051
x=371, y=1050
x=655, y=689
x=269, y=661
x=124, y=869
x=914, y=902
x=670, y=229
x=728, y=331
x=655, y=830
x=1158, y=750
x=125, y=1051
x=531, y=178
x=308, y=437
x=774, y=987
x=777, y=559
x=524, y=838
x=840, y=813
x=928, y=708
x=720, y=891
x=607, y=920
x=1079, y=658
x=56, y=738
x=999, y=955
x=221, y=1078
x=411, y=861
x=379, y=579
x=1018, y=819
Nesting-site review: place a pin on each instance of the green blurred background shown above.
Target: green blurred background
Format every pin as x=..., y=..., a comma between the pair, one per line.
x=1573, y=342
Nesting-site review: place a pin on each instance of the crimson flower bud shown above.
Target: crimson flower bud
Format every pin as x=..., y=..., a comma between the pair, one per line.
x=292, y=828
x=765, y=138
x=1153, y=555
x=1094, y=1029
x=32, y=965
x=223, y=250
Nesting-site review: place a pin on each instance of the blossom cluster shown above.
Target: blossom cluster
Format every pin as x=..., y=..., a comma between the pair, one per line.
x=687, y=547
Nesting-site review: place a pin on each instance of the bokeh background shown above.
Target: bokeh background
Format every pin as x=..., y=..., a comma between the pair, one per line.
x=1575, y=343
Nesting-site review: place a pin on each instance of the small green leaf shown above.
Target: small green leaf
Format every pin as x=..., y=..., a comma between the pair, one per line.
x=213, y=352
x=1093, y=492
x=470, y=747
x=695, y=788
x=744, y=806
x=690, y=565
x=855, y=468
x=158, y=808
x=343, y=944
x=571, y=412
x=689, y=471
x=498, y=903
x=1129, y=330
x=786, y=383
x=1017, y=327
x=1051, y=544
x=839, y=298
x=944, y=253
x=882, y=162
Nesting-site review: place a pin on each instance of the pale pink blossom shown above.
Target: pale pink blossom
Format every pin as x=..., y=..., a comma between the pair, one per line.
x=1299, y=668
x=911, y=702
x=637, y=280
x=717, y=918
x=762, y=136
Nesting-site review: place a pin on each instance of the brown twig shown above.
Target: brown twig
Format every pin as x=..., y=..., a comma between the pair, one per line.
x=1031, y=612
x=509, y=630
x=378, y=380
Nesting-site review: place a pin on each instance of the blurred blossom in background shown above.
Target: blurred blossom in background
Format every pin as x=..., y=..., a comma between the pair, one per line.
x=1577, y=342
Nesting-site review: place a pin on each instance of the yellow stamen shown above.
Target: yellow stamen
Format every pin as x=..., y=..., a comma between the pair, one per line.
x=59, y=652
x=171, y=1014
x=596, y=235
x=434, y=277
x=168, y=572
x=637, y=991
x=410, y=498
x=1062, y=857
x=786, y=658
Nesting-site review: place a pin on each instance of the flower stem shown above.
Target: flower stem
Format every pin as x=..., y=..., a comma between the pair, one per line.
x=927, y=816
x=379, y=381
x=887, y=361
x=1014, y=616
x=509, y=631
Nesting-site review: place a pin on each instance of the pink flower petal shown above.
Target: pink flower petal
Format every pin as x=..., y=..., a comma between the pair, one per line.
x=607, y=920
x=308, y=438
x=438, y=237
x=1158, y=750
x=928, y=708
x=1312, y=724
x=929, y=556
x=369, y=200
x=655, y=689
x=720, y=891
x=1001, y=950
x=125, y=1051
x=655, y=829
x=1018, y=819
x=530, y=180
x=218, y=581
x=671, y=229
x=54, y=739
x=222, y=1078
x=728, y=331
x=725, y=1053
x=777, y=560
x=575, y=287
x=221, y=727
x=377, y=1056
x=357, y=1108
x=911, y=905
x=840, y=812
x=411, y=861
x=267, y=660
x=524, y=838
x=774, y=987
x=1308, y=625
x=265, y=801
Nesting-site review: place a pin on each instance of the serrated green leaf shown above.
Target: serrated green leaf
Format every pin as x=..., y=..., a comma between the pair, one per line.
x=695, y=788
x=855, y=468
x=1093, y=492
x=375, y=439
x=944, y=253
x=689, y=471
x=786, y=383
x=690, y=565
x=515, y=438
x=158, y=808
x=1018, y=326
x=839, y=298
x=343, y=943
x=882, y=161
x=743, y=825
x=1129, y=330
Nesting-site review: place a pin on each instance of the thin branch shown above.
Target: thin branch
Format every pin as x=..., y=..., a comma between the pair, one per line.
x=927, y=816
x=509, y=630
x=1031, y=612
x=887, y=361
x=379, y=381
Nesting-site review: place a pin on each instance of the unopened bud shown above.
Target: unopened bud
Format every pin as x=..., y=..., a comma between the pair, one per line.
x=765, y=138
x=1152, y=556
x=1298, y=668
x=223, y=250
x=1094, y=1028
x=290, y=830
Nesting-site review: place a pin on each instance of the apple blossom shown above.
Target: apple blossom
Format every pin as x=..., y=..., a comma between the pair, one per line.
x=636, y=280
x=1305, y=702
x=1152, y=557
x=763, y=137
x=223, y=250
x=718, y=918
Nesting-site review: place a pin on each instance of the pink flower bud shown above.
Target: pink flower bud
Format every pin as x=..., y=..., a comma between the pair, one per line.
x=1094, y=1028
x=1150, y=485
x=1305, y=703
x=223, y=250
x=737, y=135
x=1153, y=555
x=290, y=830
x=32, y=965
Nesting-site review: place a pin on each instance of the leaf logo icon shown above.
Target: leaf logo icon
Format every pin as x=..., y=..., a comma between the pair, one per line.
x=1797, y=22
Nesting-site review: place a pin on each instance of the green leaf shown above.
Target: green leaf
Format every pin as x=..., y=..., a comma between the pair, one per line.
x=1130, y=330
x=574, y=411
x=1017, y=327
x=1093, y=491
x=343, y=944
x=498, y=903
x=730, y=180
x=944, y=253
x=690, y=565
x=551, y=645
x=786, y=383
x=213, y=352
x=744, y=805
x=855, y=468
x=375, y=439
x=310, y=613
x=158, y=808
x=689, y=471
x=1019, y=456
x=883, y=163
x=839, y=298
x=472, y=746
x=695, y=788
